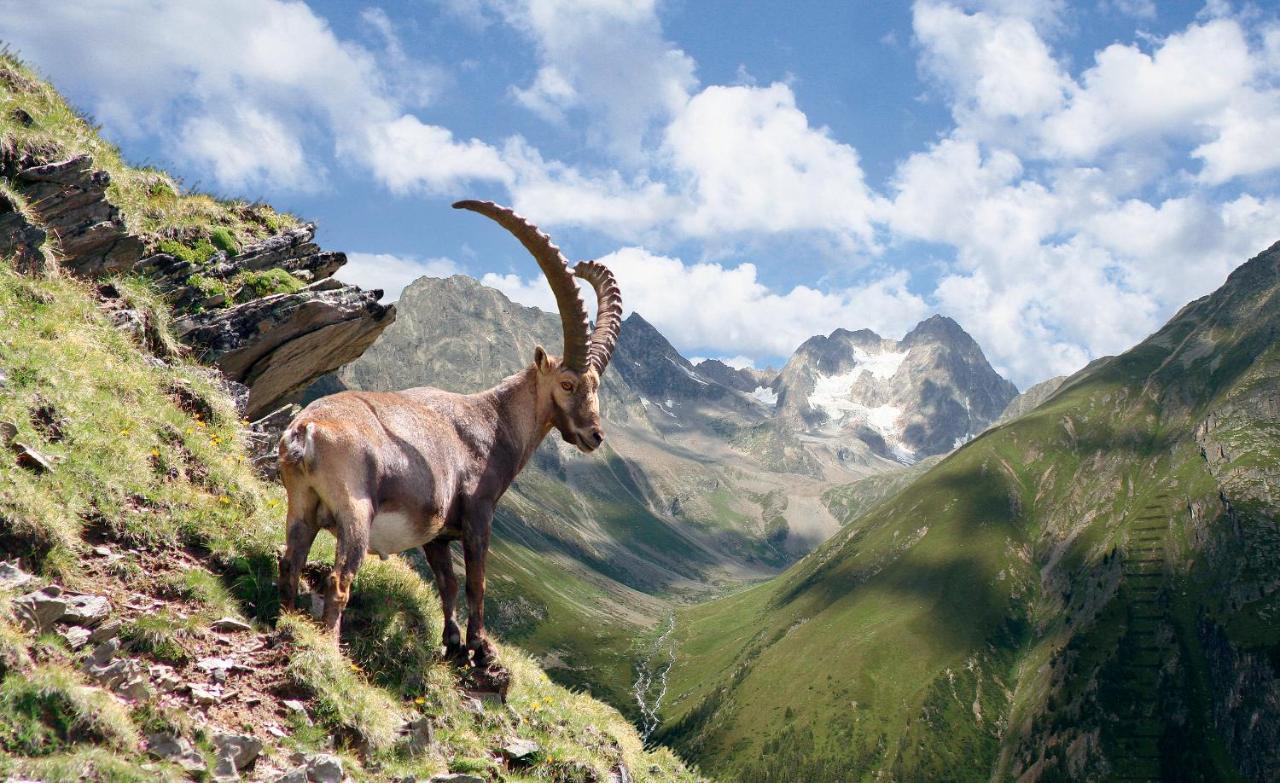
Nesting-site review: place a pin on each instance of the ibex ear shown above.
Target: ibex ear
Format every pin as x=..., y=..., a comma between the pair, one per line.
x=541, y=360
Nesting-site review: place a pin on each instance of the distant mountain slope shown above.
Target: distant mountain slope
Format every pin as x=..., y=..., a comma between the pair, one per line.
x=1087, y=592
x=921, y=395
x=744, y=379
x=1030, y=399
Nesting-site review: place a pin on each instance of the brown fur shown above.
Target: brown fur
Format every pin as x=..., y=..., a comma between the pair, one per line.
x=442, y=460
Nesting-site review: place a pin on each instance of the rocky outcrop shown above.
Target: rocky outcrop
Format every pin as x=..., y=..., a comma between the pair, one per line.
x=293, y=250
x=68, y=199
x=276, y=345
x=20, y=239
x=279, y=344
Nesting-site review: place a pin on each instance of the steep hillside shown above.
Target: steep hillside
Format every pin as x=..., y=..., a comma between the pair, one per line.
x=139, y=631
x=922, y=395
x=1086, y=592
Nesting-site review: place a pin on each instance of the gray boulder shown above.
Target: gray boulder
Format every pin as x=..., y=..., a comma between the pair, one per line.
x=178, y=750
x=86, y=610
x=324, y=768
x=243, y=749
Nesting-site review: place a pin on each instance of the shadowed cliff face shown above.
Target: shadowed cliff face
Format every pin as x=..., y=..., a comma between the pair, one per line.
x=1088, y=591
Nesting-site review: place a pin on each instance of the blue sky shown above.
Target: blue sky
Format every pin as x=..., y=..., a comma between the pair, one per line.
x=1058, y=177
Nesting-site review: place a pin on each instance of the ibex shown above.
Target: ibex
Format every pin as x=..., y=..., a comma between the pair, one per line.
x=389, y=471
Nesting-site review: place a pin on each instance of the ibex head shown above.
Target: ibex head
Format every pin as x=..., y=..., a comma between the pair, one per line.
x=572, y=382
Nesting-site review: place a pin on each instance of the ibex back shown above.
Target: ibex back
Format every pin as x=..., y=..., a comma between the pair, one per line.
x=390, y=471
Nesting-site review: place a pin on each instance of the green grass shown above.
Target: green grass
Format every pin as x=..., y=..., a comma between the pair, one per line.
x=161, y=636
x=50, y=707
x=252, y=285
x=364, y=715
x=96, y=764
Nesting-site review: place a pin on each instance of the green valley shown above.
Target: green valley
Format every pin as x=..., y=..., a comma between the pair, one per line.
x=1080, y=593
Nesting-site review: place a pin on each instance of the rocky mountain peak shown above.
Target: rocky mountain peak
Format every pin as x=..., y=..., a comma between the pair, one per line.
x=907, y=398
x=938, y=328
x=653, y=367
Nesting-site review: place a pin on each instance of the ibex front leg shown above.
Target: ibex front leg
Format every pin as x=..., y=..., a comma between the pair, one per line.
x=475, y=546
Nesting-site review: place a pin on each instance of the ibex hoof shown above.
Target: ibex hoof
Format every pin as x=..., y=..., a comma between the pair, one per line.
x=483, y=654
x=456, y=654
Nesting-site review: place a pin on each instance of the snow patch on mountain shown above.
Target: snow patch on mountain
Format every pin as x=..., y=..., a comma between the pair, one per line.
x=765, y=396
x=833, y=395
x=831, y=392
x=693, y=376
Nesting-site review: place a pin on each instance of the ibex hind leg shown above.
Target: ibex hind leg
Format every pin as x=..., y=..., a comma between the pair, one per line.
x=301, y=526
x=441, y=561
x=351, y=528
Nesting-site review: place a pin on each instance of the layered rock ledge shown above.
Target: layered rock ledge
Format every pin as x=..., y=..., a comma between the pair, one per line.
x=61, y=212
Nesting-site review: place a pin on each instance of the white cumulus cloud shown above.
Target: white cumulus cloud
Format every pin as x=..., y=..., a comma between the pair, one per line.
x=754, y=163
x=252, y=92
x=607, y=59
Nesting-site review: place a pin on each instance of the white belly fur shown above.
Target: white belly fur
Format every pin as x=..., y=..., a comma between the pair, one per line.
x=393, y=532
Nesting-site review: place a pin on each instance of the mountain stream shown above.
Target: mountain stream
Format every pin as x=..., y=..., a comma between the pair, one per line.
x=652, y=669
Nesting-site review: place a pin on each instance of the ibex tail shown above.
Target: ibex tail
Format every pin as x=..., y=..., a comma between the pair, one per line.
x=297, y=446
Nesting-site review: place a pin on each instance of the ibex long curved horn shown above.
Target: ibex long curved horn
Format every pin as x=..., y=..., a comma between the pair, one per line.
x=608, y=312
x=573, y=313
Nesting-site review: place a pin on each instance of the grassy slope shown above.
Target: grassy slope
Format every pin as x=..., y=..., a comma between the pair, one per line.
x=139, y=468
x=975, y=623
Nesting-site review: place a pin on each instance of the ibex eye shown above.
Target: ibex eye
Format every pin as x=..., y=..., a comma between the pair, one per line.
x=566, y=385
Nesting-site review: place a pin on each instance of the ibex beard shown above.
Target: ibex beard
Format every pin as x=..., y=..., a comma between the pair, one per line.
x=386, y=472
